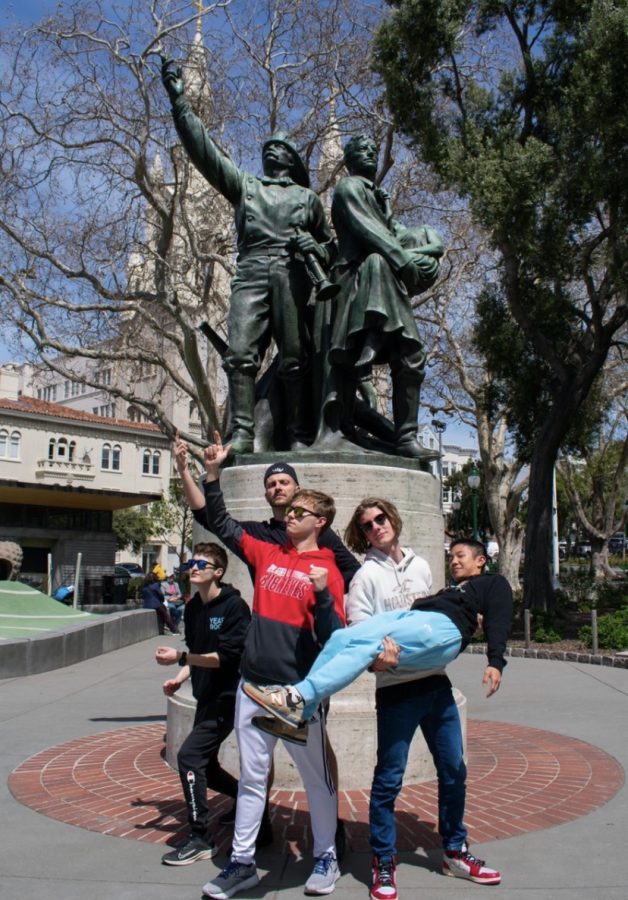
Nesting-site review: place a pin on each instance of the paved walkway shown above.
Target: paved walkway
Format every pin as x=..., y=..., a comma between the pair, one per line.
x=82, y=754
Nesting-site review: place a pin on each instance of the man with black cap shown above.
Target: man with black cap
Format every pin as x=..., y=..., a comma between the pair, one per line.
x=276, y=217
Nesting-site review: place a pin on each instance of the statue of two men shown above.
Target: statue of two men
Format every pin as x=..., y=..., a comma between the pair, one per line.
x=380, y=266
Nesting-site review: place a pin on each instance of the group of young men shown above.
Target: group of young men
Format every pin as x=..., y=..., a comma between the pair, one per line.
x=268, y=673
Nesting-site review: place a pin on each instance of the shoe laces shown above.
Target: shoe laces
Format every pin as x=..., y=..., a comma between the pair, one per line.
x=385, y=870
x=323, y=864
x=470, y=858
x=230, y=869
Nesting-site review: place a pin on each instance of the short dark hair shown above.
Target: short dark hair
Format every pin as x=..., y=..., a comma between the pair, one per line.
x=355, y=538
x=476, y=547
x=323, y=504
x=214, y=552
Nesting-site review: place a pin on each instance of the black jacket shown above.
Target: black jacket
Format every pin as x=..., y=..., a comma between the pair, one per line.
x=219, y=626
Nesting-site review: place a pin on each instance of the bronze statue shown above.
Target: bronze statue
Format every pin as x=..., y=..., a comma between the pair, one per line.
x=381, y=265
x=280, y=225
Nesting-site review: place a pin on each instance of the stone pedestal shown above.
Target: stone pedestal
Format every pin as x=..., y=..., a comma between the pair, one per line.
x=348, y=478
x=352, y=732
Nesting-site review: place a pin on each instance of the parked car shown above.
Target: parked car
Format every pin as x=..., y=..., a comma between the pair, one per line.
x=584, y=550
x=616, y=543
x=134, y=569
x=562, y=549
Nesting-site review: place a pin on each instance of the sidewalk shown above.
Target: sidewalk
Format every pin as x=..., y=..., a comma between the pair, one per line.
x=578, y=859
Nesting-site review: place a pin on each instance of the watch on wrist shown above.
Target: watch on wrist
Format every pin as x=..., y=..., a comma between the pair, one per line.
x=183, y=659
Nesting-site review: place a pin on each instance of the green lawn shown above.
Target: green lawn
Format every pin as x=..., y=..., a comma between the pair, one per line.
x=26, y=612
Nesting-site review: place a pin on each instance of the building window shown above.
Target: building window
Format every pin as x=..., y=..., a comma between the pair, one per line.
x=10, y=444
x=151, y=462
x=51, y=448
x=71, y=450
x=66, y=390
x=110, y=457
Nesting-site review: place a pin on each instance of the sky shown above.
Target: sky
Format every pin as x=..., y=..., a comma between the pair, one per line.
x=32, y=11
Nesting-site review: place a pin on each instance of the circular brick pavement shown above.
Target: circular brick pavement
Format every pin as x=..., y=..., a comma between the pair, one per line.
x=520, y=780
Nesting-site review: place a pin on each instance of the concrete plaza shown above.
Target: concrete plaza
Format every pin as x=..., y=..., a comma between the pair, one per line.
x=554, y=740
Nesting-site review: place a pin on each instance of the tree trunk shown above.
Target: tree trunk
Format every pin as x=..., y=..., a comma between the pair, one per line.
x=510, y=553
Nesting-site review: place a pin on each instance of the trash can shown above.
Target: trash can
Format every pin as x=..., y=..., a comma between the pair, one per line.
x=93, y=590
x=115, y=589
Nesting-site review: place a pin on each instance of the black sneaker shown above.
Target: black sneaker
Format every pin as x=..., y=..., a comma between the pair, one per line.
x=340, y=839
x=189, y=851
x=228, y=818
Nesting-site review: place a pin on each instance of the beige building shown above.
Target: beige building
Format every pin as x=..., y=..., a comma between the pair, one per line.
x=62, y=474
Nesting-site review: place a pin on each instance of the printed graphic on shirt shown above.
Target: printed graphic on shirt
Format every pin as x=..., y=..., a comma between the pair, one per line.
x=402, y=597
x=288, y=582
x=215, y=622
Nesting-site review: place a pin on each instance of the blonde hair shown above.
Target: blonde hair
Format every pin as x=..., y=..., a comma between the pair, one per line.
x=323, y=505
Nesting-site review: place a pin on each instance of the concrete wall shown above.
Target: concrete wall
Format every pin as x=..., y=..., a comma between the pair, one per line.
x=56, y=649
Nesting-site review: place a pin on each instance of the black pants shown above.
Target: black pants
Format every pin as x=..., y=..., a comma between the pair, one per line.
x=199, y=770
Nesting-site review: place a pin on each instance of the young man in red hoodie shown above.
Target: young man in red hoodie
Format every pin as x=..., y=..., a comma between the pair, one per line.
x=297, y=604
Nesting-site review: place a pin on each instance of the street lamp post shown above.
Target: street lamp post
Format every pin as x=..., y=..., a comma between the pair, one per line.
x=473, y=480
x=439, y=427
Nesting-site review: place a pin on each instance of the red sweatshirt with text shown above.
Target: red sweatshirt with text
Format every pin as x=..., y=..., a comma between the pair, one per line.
x=291, y=621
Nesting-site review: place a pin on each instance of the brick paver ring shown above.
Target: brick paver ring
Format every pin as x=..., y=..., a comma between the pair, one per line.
x=520, y=780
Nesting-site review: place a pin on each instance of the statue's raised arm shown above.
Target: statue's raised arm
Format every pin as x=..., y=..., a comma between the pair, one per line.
x=279, y=221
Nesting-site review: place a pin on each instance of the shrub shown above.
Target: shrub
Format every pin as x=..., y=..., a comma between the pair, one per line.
x=612, y=631
x=543, y=629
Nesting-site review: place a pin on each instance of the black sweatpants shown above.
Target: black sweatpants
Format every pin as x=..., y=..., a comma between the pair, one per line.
x=199, y=770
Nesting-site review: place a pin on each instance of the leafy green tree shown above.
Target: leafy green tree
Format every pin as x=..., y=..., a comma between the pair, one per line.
x=520, y=108
x=132, y=527
x=171, y=519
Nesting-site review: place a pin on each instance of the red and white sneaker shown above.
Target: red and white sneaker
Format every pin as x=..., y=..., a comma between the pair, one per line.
x=384, y=878
x=462, y=864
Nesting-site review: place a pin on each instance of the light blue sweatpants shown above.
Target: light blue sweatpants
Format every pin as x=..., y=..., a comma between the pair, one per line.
x=428, y=640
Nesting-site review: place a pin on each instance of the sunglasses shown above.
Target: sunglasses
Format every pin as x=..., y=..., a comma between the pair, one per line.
x=299, y=512
x=376, y=520
x=201, y=564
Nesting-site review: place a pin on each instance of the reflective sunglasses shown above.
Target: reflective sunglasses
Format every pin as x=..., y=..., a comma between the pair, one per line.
x=201, y=564
x=299, y=512
x=376, y=520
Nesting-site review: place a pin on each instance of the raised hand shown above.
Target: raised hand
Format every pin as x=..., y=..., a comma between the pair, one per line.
x=215, y=455
x=180, y=450
x=171, y=77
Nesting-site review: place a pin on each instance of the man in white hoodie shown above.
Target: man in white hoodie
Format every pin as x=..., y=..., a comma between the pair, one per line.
x=392, y=578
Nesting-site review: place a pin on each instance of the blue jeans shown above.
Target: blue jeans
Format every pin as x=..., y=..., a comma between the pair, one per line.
x=437, y=717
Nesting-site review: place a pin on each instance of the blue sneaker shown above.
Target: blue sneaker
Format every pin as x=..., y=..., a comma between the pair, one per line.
x=234, y=877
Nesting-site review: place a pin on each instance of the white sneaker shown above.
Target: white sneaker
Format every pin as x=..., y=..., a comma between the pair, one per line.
x=234, y=877
x=462, y=864
x=324, y=875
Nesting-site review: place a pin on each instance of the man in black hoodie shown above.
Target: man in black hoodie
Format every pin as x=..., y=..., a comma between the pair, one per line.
x=216, y=621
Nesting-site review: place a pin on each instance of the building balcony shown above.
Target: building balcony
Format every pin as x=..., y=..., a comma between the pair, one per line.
x=62, y=469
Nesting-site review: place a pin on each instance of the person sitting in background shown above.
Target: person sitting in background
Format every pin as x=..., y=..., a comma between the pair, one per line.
x=173, y=598
x=152, y=598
